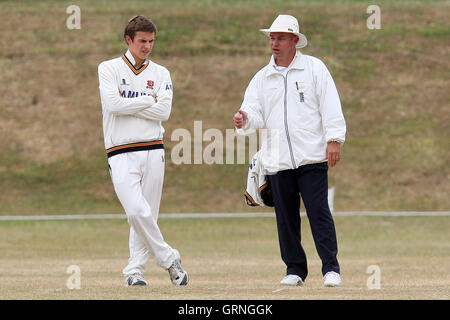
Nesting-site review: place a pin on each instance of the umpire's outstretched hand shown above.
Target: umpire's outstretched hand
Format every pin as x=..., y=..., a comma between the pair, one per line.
x=240, y=119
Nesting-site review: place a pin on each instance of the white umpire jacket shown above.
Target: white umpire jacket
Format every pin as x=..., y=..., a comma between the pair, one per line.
x=301, y=110
x=131, y=117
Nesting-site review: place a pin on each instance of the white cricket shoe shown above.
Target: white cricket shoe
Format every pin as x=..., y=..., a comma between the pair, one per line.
x=332, y=279
x=178, y=276
x=292, y=280
x=135, y=279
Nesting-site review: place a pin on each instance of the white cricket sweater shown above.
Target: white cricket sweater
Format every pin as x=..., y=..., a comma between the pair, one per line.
x=131, y=117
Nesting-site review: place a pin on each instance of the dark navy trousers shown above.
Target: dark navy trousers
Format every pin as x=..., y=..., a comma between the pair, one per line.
x=310, y=183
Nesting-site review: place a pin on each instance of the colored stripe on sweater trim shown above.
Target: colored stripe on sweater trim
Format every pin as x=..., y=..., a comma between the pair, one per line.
x=135, y=71
x=138, y=146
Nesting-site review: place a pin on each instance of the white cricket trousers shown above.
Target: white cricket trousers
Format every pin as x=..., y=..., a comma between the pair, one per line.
x=138, y=180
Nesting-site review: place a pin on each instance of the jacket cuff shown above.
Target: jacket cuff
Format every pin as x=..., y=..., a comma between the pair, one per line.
x=341, y=141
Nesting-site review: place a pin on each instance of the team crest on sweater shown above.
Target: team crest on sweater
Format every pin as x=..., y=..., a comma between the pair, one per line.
x=150, y=84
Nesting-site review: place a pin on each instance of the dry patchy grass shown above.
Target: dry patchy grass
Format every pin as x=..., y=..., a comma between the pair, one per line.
x=226, y=259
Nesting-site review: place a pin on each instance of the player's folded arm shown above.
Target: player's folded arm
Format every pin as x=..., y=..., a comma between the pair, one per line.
x=110, y=95
x=160, y=111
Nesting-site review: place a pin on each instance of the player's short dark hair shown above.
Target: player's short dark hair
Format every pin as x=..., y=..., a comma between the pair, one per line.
x=138, y=23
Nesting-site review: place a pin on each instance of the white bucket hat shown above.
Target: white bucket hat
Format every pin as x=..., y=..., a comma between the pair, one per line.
x=287, y=23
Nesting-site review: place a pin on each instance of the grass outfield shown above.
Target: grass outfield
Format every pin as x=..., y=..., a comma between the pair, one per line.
x=234, y=258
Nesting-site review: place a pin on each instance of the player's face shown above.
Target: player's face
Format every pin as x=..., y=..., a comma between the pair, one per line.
x=282, y=45
x=142, y=44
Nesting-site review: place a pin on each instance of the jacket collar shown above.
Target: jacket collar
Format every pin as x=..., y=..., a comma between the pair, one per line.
x=296, y=63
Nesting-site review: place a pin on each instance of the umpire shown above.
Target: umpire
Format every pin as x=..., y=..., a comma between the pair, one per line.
x=295, y=96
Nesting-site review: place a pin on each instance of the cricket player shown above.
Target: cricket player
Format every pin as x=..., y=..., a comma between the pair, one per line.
x=295, y=96
x=136, y=96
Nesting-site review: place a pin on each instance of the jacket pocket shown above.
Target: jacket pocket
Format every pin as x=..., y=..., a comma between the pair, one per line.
x=306, y=115
x=303, y=91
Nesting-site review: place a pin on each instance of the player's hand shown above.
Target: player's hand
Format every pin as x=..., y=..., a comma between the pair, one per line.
x=240, y=119
x=333, y=154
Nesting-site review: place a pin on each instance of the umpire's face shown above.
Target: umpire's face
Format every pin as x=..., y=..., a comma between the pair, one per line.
x=282, y=45
x=142, y=44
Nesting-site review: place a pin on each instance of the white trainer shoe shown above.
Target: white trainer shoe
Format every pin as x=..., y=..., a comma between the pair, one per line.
x=332, y=279
x=178, y=276
x=135, y=279
x=292, y=280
